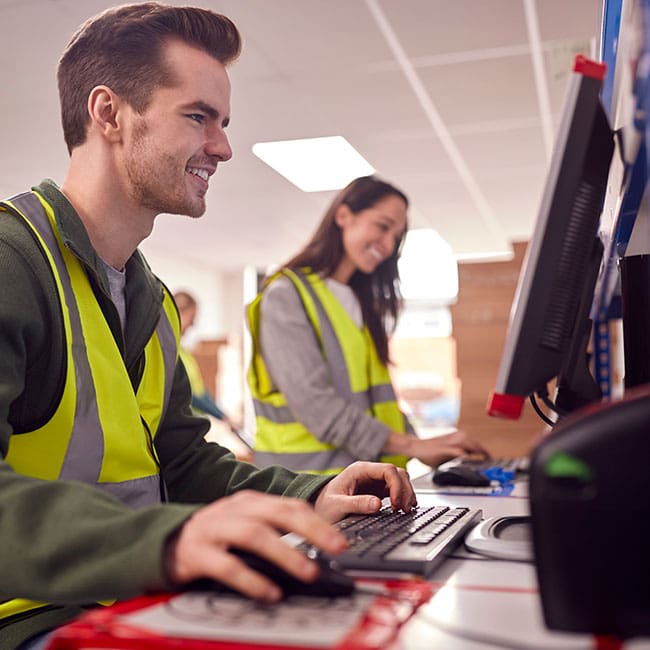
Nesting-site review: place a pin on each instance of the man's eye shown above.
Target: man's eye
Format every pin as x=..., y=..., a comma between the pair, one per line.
x=197, y=117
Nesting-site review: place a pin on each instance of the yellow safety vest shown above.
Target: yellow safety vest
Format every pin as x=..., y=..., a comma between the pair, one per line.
x=102, y=431
x=193, y=371
x=357, y=374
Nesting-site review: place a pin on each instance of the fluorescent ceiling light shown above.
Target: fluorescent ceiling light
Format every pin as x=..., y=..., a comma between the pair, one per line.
x=314, y=164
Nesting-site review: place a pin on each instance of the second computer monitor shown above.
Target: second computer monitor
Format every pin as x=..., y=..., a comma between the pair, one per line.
x=549, y=323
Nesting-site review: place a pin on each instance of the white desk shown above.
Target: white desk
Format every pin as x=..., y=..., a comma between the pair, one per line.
x=483, y=603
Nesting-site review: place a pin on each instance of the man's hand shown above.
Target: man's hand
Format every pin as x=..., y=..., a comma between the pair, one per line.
x=360, y=487
x=254, y=522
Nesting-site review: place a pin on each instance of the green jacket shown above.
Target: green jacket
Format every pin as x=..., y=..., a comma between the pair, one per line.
x=66, y=542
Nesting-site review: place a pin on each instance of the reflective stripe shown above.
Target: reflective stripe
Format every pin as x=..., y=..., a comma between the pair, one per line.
x=382, y=393
x=168, y=339
x=333, y=351
x=283, y=414
x=137, y=492
x=279, y=414
x=334, y=459
x=85, y=451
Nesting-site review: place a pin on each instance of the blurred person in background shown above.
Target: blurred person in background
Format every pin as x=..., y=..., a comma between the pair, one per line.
x=202, y=401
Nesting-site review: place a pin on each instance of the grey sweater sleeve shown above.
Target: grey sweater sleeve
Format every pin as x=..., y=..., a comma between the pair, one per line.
x=296, y=366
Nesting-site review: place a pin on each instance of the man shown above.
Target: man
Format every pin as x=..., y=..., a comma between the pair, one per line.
x=202, y=401
x=95, y=420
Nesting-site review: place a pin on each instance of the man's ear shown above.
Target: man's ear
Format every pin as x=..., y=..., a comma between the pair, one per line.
x=342, y=215
x=103, y=108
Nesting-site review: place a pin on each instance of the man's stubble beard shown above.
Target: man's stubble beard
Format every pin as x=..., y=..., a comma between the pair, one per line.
x=166, y=193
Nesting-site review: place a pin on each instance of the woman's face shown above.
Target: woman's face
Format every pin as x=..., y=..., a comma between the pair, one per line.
x=369, y=236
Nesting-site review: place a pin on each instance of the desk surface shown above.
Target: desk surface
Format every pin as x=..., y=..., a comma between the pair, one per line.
x=481, y=603
x=484, y=603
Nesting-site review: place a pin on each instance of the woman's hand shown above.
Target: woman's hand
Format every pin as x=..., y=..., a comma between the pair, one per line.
x=436, y=450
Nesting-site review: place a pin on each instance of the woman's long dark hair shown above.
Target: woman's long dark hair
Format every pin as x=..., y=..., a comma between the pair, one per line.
x=378, y=292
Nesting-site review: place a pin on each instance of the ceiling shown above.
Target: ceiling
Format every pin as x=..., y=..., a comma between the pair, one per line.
x=455, y=101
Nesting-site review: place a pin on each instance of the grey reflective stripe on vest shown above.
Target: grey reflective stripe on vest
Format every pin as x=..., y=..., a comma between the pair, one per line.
x=333, y=352
x=85, y=451
x=382, y=393
x=83, y=460
x=278, y=414
x=282, y=414
x=137, y=492
x=305, y=461
x=167, y=340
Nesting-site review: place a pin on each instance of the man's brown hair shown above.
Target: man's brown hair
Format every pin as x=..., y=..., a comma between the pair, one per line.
x=122, y=48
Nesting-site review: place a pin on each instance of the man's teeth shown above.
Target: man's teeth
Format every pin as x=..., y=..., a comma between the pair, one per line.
x=202, y=173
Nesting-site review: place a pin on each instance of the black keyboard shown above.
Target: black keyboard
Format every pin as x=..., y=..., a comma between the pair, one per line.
x=416, y=542
x=518, y=465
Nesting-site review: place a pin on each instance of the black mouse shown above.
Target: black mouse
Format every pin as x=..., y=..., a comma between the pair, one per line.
x=460, y=475
x=330, y=582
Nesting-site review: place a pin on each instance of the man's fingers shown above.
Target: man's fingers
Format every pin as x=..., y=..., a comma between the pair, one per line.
x=402, y=495
x=233, y=572
x=269, y=564
x=379, y=479
x=397, y=482
x=338, y=506
x=282, y=514
x=206, y=545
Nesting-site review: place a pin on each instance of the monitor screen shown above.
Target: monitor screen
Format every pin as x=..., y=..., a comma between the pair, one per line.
x=549, y=327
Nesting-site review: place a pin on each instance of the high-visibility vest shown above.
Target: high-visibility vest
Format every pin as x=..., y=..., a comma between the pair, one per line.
x=193, y=371
x=102, y=430
x=357, y=374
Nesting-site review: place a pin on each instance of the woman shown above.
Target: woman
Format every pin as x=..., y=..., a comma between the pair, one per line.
x=320, y=327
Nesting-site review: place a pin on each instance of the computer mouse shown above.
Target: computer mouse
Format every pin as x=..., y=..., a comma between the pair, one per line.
x=331, y=581
x=459, y=475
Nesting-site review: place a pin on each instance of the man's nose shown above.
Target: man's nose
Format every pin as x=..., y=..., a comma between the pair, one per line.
x=218, y=145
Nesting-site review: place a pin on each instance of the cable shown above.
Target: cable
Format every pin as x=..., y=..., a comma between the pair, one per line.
x=245, y=438
x=539, y=411
x=550, y=404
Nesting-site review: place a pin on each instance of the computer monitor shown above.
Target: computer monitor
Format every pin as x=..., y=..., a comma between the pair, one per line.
x=549, y=327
